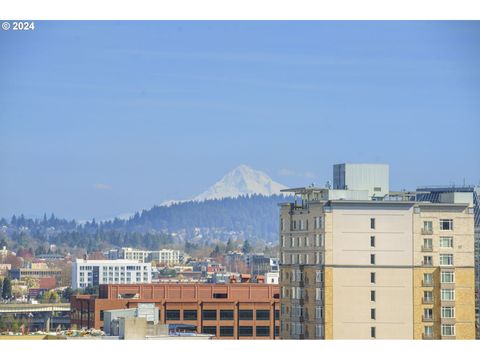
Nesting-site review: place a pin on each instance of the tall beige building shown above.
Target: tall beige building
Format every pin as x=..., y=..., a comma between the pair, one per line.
x=356, y=268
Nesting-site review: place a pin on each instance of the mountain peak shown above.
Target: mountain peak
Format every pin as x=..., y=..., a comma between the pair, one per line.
x=242, y=180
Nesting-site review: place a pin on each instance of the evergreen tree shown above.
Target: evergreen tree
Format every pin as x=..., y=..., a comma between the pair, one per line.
x=230, y=246
x=6, y=289
x=247, y=248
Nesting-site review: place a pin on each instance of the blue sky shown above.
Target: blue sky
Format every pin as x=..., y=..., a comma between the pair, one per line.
x=103, y=118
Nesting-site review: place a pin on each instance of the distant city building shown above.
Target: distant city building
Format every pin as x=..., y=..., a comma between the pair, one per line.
x=377, y=267
x=207, y=267
x=259, y=264
x=226, y=311
x=36, y=271
x=272, y=278
x=49, y=257
x=135, y=254
x=95, y=272
x=4, y=269
x=112, y=254
x=4, y=252
x=167, y=257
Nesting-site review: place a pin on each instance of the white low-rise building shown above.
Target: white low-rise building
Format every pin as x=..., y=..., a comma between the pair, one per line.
x=166, y=256
x=97, y=272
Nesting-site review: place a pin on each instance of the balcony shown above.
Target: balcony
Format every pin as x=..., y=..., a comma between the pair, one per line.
x=427, y=318
x=427, y=248
x=427, y=336
x=427, y=231
x=427, y=300
x=427, y=283
x=427, y=263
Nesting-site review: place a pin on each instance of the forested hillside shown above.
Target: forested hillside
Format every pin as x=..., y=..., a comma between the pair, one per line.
x=252, y=217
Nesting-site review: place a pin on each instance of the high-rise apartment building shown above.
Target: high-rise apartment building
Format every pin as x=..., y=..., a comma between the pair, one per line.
x=467, y=194
x=359, y=266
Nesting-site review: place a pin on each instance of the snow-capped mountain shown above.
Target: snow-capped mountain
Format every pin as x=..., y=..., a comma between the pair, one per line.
x=243, y=180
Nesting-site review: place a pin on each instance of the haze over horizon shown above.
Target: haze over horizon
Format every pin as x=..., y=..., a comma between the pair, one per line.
x=103, y=118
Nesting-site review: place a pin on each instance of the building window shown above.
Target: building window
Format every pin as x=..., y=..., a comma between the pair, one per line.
x=245, y=314
x=427, y=297
x=448, y=312
x=372, y=278
x=319, y=312
x=372, y=223
x=446, y=224
x=189, y=314
x=220, y=295
x=319, y=294
x=319, y=276
x=319, y=331
x=372, y=241
x=448, y=330
x=373, y=332
x=212, y=330
x=446, y=242
x=172, y=315
x=102, y=314
x=245, y=330
x=226, y=331
x=446, y=259
x=427, y=244
x=372, y=259
x=427, y=227
x=262, y=331
x=428, y=314
x=263, y=315
x=226, y=314
x=372, y=314
x=447, y=295
x=427, y=279
x=427, y=261
x=209, y=314
x=447, y=277
x=277, y=331
x=428, y=331
x=277, y=314
x=372, y=295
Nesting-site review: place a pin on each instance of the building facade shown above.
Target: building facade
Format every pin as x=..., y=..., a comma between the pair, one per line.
x=167, y=257
x=227, y=311
x=383, y=269
x=36, y=271
x=135, y=254
x=469, y=194
x=96, y=272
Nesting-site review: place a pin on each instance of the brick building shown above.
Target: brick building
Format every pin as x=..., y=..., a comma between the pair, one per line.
x=228, y=311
